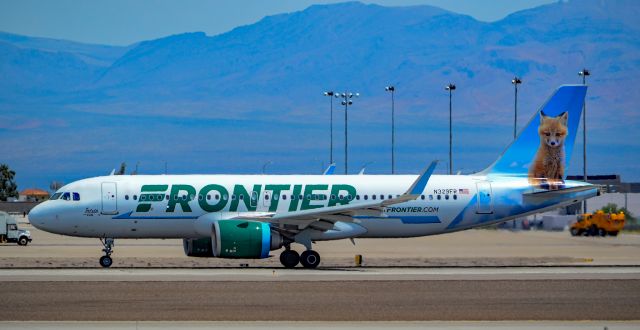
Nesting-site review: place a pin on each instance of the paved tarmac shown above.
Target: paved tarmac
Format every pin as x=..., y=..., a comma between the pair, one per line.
x=261, y=325
x=336, y=295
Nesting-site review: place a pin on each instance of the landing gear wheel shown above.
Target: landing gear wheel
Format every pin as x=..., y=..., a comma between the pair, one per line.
x=310, y=259
x=289, y=258
x=106, y=261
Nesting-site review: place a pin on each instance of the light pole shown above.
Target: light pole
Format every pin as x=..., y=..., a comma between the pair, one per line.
x=515, y=81
x=584, y=73
x=392, y=89
x=330, y=95
x=346, y=101
x=451, y=87
x=264, y=166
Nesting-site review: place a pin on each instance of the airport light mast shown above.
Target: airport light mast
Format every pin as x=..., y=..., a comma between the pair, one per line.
x=346, y=101
x=330, y=95
x=451, y=87
x=392, y=89
x=515, y=81
x=584, y=73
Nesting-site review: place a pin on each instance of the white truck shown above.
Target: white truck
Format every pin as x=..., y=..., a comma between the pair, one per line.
x=9, y=231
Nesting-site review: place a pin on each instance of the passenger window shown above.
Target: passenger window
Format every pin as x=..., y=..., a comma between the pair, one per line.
x=266, y=197
x=208, y=197
x=349, y=197
x=439, y=197
x=390, y=197
x=126, y=197
x=422, y=197
x=284, y=197
x=446, y=197
x=225, y=197
x=135, y=197
x=357, y=197
x=241, y=197
x=366, y=197
x=168, y=197
x=216, y=196
x=430, y=197
x=373, y=197
x=455, y=196
x=233, y=197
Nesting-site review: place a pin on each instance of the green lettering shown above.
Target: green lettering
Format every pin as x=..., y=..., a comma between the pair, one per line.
x=337, y=189
x=309, y=195
x=250, y=201
x=275, y=197
x=175, y=197
x=293, y=206
x=212, y=207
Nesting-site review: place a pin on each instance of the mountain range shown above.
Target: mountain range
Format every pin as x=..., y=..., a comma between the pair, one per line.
x=234, y=101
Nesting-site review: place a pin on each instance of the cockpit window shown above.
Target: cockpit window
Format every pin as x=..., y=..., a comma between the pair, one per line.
x=66, y=196
x=55, y=196
x=76, y=196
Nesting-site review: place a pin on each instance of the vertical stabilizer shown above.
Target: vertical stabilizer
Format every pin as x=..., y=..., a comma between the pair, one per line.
x=543, y=148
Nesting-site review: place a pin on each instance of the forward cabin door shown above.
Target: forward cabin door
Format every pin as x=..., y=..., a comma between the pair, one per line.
x=109, y=198
x=485, y=204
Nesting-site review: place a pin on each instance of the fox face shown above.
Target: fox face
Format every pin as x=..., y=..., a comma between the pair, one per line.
x=553, y=130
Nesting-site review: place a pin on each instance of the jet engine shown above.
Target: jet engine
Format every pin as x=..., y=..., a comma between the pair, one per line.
x=235, y=239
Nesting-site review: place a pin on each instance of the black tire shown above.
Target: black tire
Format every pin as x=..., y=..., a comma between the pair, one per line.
x=602, y=232
x=23, y=241
x=289, y=258
x=106, y=261
x=613, y=233
x=310, y=259
x=574, y=231
x=593, y=231
x=3, y=239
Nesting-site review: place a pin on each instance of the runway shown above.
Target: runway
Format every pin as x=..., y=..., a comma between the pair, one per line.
x=376, y=294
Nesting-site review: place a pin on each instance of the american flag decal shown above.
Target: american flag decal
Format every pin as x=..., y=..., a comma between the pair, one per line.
x=463, y=191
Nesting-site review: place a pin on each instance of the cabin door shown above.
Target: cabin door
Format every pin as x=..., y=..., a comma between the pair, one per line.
x=485, y=204
x=109, y=198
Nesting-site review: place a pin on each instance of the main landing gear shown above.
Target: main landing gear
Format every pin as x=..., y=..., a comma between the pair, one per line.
x=290, y=258
x=105, y=260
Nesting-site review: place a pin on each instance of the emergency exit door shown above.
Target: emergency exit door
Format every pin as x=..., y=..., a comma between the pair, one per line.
x=109, y=198
x=485, y=204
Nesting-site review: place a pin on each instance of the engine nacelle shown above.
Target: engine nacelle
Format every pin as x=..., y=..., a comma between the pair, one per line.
x=235, y=239
x=198, y=247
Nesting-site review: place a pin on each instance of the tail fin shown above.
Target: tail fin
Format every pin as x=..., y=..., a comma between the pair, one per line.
x=549, y=135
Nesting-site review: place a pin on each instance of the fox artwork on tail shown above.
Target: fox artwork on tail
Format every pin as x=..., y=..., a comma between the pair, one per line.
x=547, y=169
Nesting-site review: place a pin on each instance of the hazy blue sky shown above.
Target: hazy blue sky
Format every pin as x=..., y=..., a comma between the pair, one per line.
x=122, y=22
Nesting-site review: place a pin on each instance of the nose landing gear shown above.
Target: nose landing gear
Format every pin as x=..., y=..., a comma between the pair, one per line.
x=106, y=261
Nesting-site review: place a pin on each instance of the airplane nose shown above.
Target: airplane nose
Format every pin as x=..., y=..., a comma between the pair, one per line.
x=37, y=216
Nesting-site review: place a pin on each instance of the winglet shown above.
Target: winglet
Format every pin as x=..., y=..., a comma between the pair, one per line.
x=112, y=172
x=330, y=169
x=418, y=186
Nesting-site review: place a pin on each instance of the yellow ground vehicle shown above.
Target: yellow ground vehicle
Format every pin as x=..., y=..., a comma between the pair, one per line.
x=598, y=224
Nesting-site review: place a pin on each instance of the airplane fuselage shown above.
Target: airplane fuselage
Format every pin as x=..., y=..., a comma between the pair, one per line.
x=183, y=206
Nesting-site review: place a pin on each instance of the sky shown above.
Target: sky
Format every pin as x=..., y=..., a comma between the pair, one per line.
x=123, y=22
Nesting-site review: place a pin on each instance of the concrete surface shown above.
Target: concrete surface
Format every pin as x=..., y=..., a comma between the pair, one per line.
x=468, y=248
x=322, y=300
x=452, y=325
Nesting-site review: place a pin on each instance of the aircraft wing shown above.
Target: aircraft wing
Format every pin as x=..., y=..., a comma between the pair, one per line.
x=346, y=212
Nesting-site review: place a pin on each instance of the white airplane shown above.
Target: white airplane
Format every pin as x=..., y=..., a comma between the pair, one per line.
x=247, y=216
